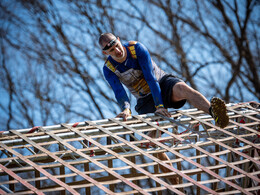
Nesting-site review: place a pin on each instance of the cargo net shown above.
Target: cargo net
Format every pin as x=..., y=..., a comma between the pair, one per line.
x=113, y=156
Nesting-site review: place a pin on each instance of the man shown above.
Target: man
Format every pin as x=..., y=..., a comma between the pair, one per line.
x=130, y=64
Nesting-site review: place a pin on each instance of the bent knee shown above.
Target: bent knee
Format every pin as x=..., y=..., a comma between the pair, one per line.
x=180, y=91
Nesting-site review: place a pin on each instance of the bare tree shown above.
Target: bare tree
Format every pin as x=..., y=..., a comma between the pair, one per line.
x=51, y=65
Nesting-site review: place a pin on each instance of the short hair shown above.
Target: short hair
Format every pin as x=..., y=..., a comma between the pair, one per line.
x=104, y=38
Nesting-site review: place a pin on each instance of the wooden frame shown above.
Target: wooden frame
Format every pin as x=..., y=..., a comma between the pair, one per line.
x=98, y=157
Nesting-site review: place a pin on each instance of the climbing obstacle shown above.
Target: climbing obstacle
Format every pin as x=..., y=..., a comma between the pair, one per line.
x=113, y=156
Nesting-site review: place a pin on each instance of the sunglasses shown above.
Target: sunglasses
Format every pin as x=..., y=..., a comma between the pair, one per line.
x=110, y=44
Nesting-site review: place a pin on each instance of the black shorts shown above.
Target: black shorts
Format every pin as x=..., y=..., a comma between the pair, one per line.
x=146, y=105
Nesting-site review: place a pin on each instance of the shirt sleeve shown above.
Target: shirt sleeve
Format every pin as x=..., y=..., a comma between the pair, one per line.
x=117, y=87
x=144, y=60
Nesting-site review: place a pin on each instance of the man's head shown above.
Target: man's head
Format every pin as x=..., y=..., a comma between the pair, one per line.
x=112, y=46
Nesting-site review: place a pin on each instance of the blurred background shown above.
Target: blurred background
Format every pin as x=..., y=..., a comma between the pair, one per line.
x=51, y=64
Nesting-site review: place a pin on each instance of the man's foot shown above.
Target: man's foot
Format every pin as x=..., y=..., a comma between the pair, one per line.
x=218, y=111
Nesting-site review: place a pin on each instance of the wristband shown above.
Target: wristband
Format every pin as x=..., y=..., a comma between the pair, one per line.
x=159, y=106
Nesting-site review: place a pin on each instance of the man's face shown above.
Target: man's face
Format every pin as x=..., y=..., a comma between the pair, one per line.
x=116, y=51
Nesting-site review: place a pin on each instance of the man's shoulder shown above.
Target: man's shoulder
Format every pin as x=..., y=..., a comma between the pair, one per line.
x=108, y=65
x=135, y=48
x=130, y=43
x=136, y=44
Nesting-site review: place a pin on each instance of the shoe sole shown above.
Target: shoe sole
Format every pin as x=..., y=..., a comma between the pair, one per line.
x=219, y=111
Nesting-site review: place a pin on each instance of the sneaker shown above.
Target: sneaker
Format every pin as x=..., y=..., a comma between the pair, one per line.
x=218, y=111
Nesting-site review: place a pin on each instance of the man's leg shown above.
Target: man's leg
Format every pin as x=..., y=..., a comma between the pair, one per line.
x=216, y=108
x=163, y=156
x=182, y=91
x=174, y=179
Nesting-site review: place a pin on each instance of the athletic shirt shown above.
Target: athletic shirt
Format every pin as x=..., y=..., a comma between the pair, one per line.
x=139, y=73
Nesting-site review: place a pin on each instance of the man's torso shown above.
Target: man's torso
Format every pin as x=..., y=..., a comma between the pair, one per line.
x=131, y=74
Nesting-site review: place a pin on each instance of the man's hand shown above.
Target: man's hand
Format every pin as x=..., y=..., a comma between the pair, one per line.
x=163, y=111
x=126, y=113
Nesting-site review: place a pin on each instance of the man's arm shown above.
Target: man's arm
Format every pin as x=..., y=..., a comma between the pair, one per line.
x=145, y=63
x=119, y=92
x=144, y=60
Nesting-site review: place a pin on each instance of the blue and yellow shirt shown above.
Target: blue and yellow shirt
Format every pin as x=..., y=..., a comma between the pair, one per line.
x=138, y=73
